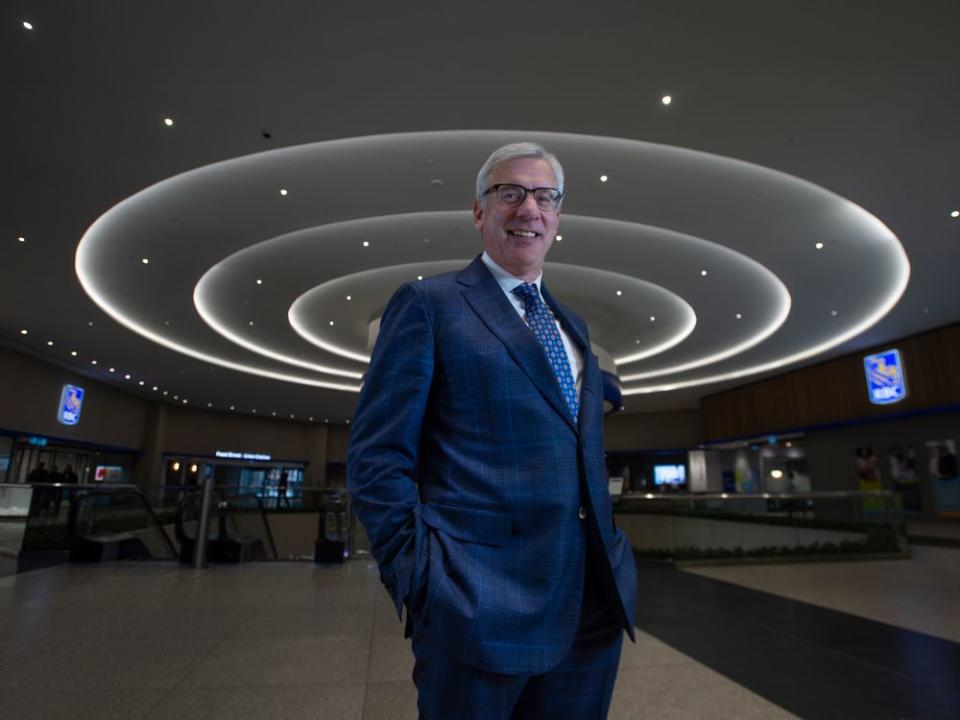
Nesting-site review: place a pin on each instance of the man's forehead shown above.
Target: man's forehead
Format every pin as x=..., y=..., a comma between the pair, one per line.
x=520, y=168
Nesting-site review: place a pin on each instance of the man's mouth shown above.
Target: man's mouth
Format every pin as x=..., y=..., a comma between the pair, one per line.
x=523, y=233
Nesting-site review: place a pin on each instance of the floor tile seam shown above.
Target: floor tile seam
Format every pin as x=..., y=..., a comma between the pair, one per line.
x=370, y=644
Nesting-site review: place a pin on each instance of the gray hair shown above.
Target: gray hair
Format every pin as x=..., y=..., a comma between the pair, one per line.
x=514, y=151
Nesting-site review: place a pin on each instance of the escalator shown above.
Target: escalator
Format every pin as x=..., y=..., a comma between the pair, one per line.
x=238, y=529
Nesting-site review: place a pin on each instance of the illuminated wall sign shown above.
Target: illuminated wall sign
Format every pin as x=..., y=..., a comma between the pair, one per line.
x=37, y=441
x=886, y=382
x=231, y=455
x=71, y=402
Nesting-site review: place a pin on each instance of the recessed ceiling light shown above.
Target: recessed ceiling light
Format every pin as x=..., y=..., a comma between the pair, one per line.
x=283, y=191
x=603, y=178
x=833, y=313
x=232, y=407
x=141, y=382
x=739, y=316
x=90, y=323
x=23, y=332
x=819, y=246
x=112, y=370
x=50, y=343
x=254, y=411
x=348, y=421
x=955, y=213
x=28, y=25
x=653, y=318
x=326, y=420
x=331, y=323
x=168, y=122
x=666, y=99
x=154, y=388
x=619, y=293
x=145, y=261
x=73, y=353
x=703, y=273
x=559, y=238
x=209, y=404
x=185, y=401
x=366, y=243
x=21, y=238
x=419, y=277
x=259, y=281
x=93, y=362
x=274, y=413
x=349, y=298
x=311, y=418
x=126, y=377
x=165, y=393
x=251, y=323
x=291, y=416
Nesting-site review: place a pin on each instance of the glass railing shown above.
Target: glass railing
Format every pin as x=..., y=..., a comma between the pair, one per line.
x=734, y=526
x=82, y=523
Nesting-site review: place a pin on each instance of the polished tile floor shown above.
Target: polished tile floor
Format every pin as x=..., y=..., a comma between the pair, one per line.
x=294, y=640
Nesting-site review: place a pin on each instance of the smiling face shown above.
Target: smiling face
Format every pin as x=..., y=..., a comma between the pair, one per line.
x=517, y=238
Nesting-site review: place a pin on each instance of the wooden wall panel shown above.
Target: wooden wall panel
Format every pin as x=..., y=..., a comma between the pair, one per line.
x=835, y=391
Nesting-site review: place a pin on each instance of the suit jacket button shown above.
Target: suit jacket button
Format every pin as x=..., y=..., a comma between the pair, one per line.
x=582, y=513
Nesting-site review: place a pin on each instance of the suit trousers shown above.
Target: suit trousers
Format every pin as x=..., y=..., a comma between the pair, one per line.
x=578, y=688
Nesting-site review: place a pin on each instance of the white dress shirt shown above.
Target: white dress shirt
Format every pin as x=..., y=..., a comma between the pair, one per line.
x=507, y=283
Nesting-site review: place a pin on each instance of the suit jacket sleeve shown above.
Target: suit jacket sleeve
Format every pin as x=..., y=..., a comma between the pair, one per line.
x=385, y=440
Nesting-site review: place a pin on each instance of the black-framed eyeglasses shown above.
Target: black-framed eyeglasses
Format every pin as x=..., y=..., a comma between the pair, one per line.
x=547, y=198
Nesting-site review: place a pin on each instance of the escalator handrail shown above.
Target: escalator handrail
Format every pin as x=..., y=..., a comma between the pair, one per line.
x=85, y=491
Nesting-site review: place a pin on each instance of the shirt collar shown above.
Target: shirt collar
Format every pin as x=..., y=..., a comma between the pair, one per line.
x=506, y=281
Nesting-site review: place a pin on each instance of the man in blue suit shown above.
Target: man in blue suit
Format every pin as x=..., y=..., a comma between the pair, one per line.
x=476, y=465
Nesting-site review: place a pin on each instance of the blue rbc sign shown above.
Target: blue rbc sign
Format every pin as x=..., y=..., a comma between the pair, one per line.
x=71, y=403
x=885, y=377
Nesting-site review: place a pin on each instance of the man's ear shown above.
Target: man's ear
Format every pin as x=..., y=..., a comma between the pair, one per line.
x=477, y=215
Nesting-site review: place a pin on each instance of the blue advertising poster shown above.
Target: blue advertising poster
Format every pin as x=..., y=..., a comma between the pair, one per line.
x=885, y=377
x=71, y=402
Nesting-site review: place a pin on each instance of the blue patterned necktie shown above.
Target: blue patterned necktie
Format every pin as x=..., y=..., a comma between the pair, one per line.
x=540, y=320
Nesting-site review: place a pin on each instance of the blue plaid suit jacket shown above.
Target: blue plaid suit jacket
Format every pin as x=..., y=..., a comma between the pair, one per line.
x=468, y=472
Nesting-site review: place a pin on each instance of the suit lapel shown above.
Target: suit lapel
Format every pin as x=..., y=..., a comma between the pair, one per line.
x=484, y=295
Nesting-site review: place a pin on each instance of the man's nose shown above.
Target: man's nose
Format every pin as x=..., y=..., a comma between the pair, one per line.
x=529, y=207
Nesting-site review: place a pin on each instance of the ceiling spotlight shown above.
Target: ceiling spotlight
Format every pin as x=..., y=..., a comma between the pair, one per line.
x=819, y=246
x=419, y=277
x=21, y=238
x=349, y=298
x=291, y=416
x=93, y=362
x=127, y=377
x=168, y=122
x=251, y=323
x=140, y=383
x=254, y=411
x=23, y=332
x=232, y=407
x=559, y=238
x=28, y=25
x=326, y=420
x=348, y=421
x=73, y=353
x=154, y=388
x=666, y=99
x=209, y=404
x=703, y=273
x=311, y=418
x=283, y=191
x=112, y=370
x=165, y=393
x=331, y=323
x=653, y=318
x=833, y=313
x=619, y=293
x=274, y=413
x=603, y=178
x=50, y=343
x=954, y=214
x=788, y=444
x=145, y=261
x=366, y=243
x=776, y=474
x=638, y=341
x=184, y=401
x=259, y=281
x=739, y=316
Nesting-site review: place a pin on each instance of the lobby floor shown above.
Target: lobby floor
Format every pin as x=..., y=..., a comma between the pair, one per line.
x=295, y=640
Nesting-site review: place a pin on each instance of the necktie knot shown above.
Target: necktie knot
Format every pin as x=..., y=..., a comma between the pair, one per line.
x=529, y=294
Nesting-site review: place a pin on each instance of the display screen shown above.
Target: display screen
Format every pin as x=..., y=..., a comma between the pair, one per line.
x=669, y=475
